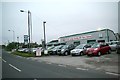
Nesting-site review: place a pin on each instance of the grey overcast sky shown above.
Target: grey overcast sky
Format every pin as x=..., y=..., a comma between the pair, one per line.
x=63, y=17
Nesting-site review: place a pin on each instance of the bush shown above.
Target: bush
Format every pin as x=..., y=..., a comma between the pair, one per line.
x=24, y=54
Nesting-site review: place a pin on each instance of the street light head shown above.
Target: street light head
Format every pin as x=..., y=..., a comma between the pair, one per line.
x=8, y=30
x=44, y=22
x=22, y=11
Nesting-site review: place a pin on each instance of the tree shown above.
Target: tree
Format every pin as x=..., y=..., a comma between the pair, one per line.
x=11, y=46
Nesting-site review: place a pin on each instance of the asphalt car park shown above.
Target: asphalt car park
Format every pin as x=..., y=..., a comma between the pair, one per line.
x=106, y=62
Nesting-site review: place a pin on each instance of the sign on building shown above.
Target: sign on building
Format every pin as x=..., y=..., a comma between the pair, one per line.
x=77, y=38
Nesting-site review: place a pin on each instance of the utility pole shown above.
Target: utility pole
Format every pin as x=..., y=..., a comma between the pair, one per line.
x=29, y=28
x=44, y=34
x=18, y=43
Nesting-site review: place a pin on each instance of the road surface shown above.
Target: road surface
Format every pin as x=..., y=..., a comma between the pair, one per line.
x=18, y=67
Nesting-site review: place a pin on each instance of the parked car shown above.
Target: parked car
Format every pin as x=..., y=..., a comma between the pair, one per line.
x=26, y=50
x=33, y=50
x=80, y=50
x=21, y=49
x=55, y=50
x=98, y=49
x=48, y=50
x=65, y=50
x=113, y=45
x=118, y=48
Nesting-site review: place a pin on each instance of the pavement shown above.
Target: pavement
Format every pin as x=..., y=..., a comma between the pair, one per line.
x=19, y=67
x=108, y=62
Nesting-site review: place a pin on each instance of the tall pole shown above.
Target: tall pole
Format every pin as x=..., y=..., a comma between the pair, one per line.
x=29, y=30
x=13, y=35
x=44, y=35
x=18, y=42
x=31, y=25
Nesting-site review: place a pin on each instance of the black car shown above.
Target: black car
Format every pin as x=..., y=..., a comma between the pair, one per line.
x=118, y=48
x=55, y=50
x=65, y=50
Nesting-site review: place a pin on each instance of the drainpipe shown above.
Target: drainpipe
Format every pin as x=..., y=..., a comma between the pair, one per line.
x=107, y=35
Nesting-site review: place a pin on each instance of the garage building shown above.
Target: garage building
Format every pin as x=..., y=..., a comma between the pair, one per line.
x=104, y=35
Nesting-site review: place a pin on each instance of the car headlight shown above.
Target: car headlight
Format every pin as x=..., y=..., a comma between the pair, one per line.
x=62, y=50
x=77, y=51
x=96, y=49
x=88, y=48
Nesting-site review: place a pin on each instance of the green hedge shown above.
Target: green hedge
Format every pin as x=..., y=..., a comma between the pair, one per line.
x=24, y=54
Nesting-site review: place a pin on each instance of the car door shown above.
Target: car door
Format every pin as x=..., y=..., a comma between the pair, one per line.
x=84, y=49
x=102, y=49
x=105, y=48
x=69, y=48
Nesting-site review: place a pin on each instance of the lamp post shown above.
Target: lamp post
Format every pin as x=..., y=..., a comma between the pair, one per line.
x=44, y=34
x=29, y=26
x=18, y=42
x=13, y=35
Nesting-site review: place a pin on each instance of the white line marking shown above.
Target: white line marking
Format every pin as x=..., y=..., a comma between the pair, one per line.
x=48, y=63
x=62, y=65
x=15, y=67
x=4, y=60
x=81, y=69
x=112, y=73
x=39, y=61
x=19, y=56
x=98, y=68
x=27, y=58
x=9, y=52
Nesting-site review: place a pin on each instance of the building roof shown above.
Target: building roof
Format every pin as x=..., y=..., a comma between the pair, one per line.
x=85, y=33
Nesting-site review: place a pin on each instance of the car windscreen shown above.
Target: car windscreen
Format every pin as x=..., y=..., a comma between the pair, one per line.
x=118, y=43
x=64, y=47
x=51, y=47
x=95, y=45
x=79, y=47
x=58, y=47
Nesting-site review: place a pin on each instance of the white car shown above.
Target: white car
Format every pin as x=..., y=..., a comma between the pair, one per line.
x=80, y=50
x=33, y=50
x=113, y=45
x=21, y=49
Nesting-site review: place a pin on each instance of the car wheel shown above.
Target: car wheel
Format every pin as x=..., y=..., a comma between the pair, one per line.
x=89, y=55
x=59, y=54
x=99, y=53
x=117, y=51
x=66, y=53
x=109, y=51
x=81, y=53
x=72, y=54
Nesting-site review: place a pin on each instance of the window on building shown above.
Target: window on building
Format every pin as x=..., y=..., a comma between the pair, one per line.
x=101, y=41
x=91, y=41
x=76, y=43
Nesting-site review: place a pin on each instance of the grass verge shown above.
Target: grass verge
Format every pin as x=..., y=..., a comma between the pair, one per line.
x=23, y=54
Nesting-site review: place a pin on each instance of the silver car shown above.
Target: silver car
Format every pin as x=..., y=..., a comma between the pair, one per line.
x=80, y=50
x=113, y=45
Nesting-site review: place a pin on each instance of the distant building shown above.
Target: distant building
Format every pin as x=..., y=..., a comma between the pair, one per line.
x=54, y=43
x=91, y=37
x=118, y=36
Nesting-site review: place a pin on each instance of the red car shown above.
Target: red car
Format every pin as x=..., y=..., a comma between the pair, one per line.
x=98, y=49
